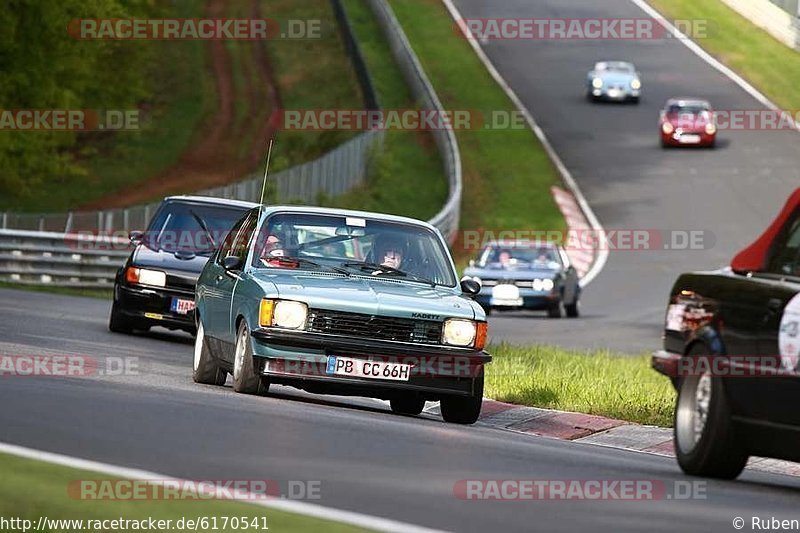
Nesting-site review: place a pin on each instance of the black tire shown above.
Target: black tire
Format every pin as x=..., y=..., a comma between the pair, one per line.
x=117, y=321
x=464, y=410
x=573, y=309
x=407, y=405
x=713, y=450
x=204, y=369
x=635, y=100
x=556, y=310
x=245, y=378
x=487, y=309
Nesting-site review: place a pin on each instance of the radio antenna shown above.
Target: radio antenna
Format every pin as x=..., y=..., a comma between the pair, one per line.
x=264, y=186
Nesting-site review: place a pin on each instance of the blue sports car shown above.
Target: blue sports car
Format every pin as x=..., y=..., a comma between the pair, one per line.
x=526, y=275
x=344, y=302
x=614, y=80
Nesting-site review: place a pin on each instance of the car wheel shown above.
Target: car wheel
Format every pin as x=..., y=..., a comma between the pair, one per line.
x=573, y=310
x=635, y=100
x=205, y=369
x=409, y=405
x=245, y=379
x=556, y=310
x=117, y=322
x=464, y=410
x=487, y=309
x=704, y=437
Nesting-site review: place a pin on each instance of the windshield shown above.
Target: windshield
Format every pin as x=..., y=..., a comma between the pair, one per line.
x=190, y=227
x=520, y=257
x=690, y=109
x=353, y=245
x=614, y=67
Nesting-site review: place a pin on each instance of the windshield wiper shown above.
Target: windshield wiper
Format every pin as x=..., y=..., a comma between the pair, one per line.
x=203, y=225
x=377, y=270
x=303, y=261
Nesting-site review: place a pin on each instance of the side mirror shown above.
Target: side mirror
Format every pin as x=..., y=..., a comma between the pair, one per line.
x=470, y=286
x=232, y=262
x=136, y=237
x=472, y=262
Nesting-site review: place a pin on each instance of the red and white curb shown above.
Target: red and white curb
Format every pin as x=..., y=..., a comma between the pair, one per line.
x=596, y=430
x=582, y=259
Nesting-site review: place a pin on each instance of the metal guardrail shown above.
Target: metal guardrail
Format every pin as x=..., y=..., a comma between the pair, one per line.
x=447, y=219
x=62, y=260
x=48, y=249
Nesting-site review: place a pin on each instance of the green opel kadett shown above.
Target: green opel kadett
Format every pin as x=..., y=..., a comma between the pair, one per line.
x=342, y=302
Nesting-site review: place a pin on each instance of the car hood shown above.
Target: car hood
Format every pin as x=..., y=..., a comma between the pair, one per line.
x=501, y=273
x=372, y=296
x=688, y=121
x=164, y=260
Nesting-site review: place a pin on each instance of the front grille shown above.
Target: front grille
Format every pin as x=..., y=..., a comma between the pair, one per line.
x=374, y=327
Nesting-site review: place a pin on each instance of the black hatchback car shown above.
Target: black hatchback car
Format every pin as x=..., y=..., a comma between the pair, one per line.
x=731, y=347
x=155, y=286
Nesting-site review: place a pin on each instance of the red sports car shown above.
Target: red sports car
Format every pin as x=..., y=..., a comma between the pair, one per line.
x=687, y=122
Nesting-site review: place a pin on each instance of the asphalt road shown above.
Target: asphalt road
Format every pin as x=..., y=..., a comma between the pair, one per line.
x=613, y=152
x=366, y=459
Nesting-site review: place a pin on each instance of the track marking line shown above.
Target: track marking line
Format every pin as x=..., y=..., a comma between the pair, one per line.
x=289, y=506
x=566, y=175
x=708, y=58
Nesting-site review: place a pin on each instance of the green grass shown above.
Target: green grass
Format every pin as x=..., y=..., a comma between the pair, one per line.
x=105, y=294
x=311, y=74
x=31, y=489
x=507, y=174
x=409, y=162
x=764, y=61
x=596, y=382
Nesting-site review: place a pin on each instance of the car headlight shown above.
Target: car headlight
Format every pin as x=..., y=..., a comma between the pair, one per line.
x=597, y=83
x=459, y=332
x=283, y=314
x=711, y=129
x=636, y=85
x=543, y=284
x=667, y=128
x=145, y=276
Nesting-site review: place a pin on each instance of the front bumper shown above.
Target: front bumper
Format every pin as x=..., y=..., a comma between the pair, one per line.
x=153, y=305
x=609, y=93
x=665, y=362
x=303, y=356
x=528, y=299
x=688, y=138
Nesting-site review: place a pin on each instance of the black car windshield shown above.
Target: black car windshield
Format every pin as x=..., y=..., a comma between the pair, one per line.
x=190, y=227
x=520, y=257
x=359, y=246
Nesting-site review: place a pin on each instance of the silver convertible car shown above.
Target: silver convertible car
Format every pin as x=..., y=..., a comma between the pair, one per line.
x=614, y=80
x=344, y=302
x=526, y=275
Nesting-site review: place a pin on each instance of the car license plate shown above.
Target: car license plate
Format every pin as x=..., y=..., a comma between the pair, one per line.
x=363, y=368
x=182, y=306
x=689, y=139
x=614, y=93
x=506, y=295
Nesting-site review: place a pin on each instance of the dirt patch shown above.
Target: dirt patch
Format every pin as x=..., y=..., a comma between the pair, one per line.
x=217, y=157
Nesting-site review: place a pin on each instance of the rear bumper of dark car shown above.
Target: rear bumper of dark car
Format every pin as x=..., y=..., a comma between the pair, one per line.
x=436, y=370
